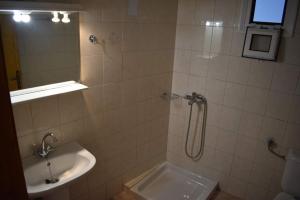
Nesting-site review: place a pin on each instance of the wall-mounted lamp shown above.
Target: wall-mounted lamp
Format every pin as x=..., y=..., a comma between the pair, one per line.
x=55, y=17
x=24, y=16
x=21, y=17
x=65, y=18
x=22, y=11
x=17, y=17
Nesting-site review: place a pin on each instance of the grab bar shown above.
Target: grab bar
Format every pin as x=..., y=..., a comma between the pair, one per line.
x=271, y=146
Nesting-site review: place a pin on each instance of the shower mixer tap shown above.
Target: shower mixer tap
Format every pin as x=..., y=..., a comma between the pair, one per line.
x=195, y=98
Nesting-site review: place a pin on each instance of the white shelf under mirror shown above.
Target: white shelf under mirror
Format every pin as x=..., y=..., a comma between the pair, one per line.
x=29, y=94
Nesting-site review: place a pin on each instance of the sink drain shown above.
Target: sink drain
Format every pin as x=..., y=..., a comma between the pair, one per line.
x=51, y=181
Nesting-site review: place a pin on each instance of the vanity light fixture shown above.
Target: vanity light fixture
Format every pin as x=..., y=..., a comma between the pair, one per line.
x=66, y=18
x=26, y=18
x=17, y=17
x=21, y=17
x=55, y=18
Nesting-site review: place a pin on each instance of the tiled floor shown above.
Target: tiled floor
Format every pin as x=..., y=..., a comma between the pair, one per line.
x=126, y=195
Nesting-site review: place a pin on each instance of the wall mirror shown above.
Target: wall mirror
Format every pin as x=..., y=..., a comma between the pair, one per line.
x=40, y=50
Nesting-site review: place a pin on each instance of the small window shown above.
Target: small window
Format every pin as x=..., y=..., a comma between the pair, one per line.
x=268, y=12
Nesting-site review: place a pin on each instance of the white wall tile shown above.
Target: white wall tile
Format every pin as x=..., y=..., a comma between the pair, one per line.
x=183, y=37
x=213, y=114
x=112, y=69
x=285, y=78
x=226, y=141
x=182, y=61
x=225, y=11
x=70, y=107
x=239, y=69
x=230, y=119
x=201, y=38
x=197, y=84
x=204, y=11
x=241, y=168
x=279, y=105
x=223, y=161
x=261, y=74
x=91, y=70
x=237, y=44
x=256, y=100
x=23, y=119
x=235, y=95
x=131, y=65
x=221, y=40
x=180, y=83
x=245, y=148
x=250, y=125
x=288, y=52
x=199, y=63
x=215, y=90
x=218, y=67
x=45, y=113
x=186, y=12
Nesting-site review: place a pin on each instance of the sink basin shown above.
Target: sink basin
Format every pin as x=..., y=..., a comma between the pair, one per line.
x=67, y=163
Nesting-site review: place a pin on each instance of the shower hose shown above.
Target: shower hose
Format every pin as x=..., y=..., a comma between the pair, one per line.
x=199, y=153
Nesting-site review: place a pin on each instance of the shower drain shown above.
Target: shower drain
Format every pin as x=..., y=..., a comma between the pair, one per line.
x=51, y=181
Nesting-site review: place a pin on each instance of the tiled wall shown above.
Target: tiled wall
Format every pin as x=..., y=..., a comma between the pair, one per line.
x=49, y=52
x=121, y=118
x=248, y=100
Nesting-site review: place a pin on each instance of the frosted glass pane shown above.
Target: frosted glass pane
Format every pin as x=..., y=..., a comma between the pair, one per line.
x=269, y=11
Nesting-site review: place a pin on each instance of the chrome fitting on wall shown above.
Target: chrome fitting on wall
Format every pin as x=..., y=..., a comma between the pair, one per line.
x=271, y=146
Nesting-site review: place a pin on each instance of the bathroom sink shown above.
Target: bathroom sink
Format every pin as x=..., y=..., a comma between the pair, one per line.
x=67, y=163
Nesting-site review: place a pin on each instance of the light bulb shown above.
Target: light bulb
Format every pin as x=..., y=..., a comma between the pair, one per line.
x=66, y=18
x=17, y=17
x=25, y=18
x=55, y=18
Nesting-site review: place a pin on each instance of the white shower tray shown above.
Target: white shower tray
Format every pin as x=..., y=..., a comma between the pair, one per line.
x=168, y=182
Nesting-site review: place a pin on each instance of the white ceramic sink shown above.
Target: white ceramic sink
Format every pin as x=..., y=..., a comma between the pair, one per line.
x=68, y=163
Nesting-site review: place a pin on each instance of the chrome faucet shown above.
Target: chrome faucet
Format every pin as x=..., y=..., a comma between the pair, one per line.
x=45, y=148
